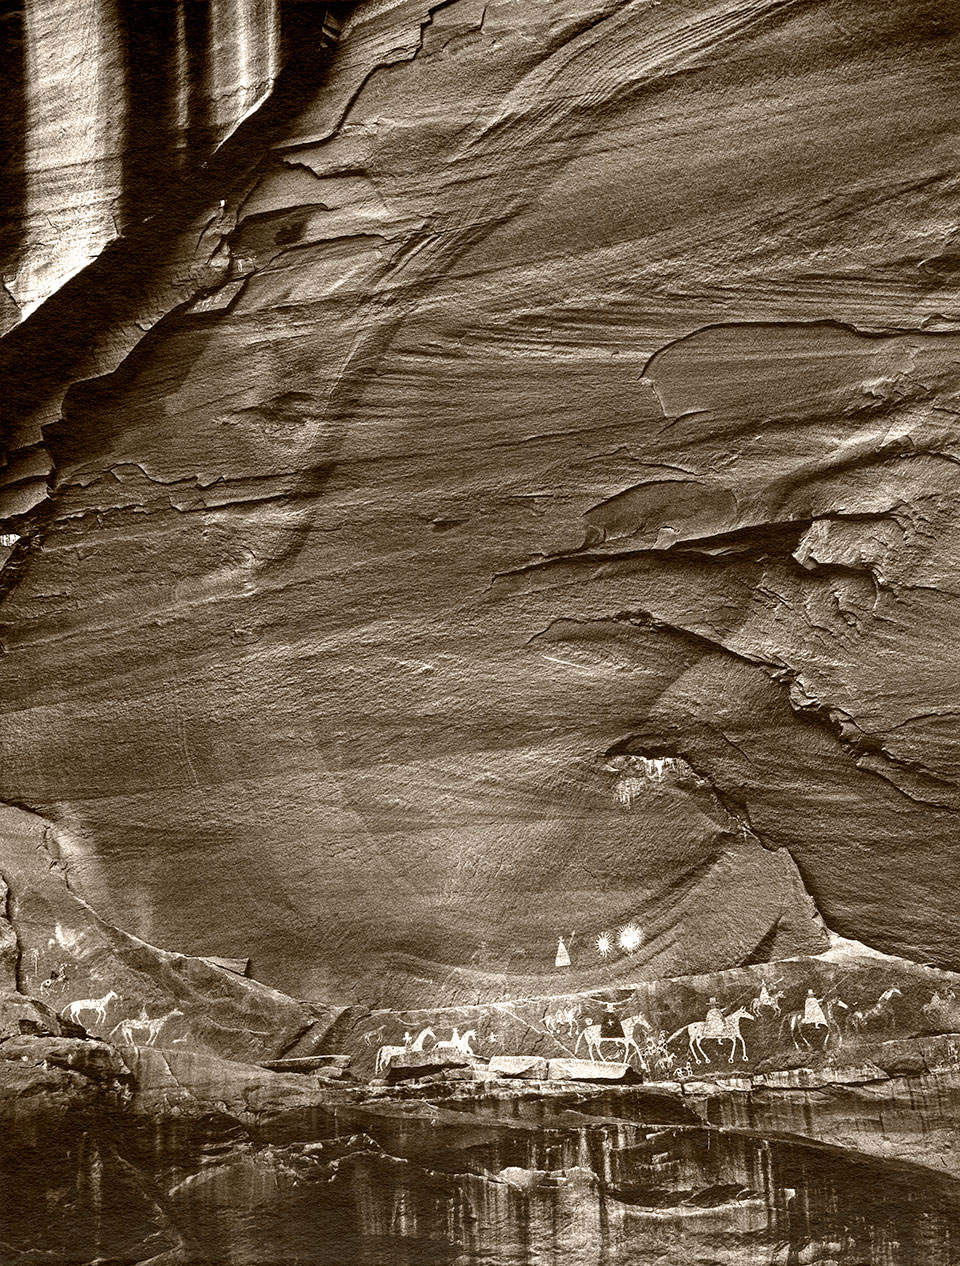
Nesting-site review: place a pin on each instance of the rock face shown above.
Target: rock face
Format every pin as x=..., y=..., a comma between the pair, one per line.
x=479, y=546
x=829, y=1135
x=525, y=425
x=165, y=1157
x=541, y=398
x=848, y=1013
x=63, y=955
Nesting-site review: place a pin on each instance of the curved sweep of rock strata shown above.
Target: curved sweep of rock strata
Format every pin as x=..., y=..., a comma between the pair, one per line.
x=579, y=386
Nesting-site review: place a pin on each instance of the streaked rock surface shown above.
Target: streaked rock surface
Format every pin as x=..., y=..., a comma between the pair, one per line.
x=478, y=520
x=573, y=386
x=110, y=105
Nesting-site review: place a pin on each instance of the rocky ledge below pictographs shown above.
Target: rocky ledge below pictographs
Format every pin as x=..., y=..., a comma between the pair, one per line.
x=170, y=1158
x=520, y=1133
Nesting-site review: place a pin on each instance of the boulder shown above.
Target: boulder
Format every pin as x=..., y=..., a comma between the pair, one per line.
x=28, y=1016
x=423, y=1063
x=171, y=1083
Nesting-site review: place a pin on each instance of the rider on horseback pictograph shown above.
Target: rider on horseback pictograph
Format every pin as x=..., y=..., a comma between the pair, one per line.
x=715, y=1024
x=610, y=1025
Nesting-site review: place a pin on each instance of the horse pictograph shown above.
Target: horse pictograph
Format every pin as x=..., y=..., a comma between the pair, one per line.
x=56, y=978
x=818, y=1015
x=417, y=1044
x=562, y=1018
x=656, y=1054
x=386, y=1053
x=766, y=1000
x=98, y=1006
x=595, y=1039
x=943, y=1008
x=716, y=1028
x=457, y=1044
x=143, y=1031
x=878, y=1015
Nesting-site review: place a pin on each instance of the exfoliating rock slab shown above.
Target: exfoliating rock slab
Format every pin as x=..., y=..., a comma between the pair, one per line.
x=587, y=1070
x=527, y=1066
x=307, y=1064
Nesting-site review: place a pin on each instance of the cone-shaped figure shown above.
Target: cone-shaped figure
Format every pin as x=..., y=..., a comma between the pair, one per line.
x=563, y=956
x=713, y=1025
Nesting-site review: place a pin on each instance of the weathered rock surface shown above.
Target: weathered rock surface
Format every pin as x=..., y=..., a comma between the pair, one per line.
x=587, y=1070
x=577, y=387
x=113, y=984
x=530, y=1067
x=206, y=1161
x=109, y=105
x=840, y=1146
x=478, y=529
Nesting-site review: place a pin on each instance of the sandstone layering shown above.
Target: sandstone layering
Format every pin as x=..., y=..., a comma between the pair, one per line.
x=479, y=530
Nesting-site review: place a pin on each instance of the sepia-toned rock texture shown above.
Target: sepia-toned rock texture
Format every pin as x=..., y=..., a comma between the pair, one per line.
x=838, y=1147
x=103, y=981
x=108, y=105
x=479, y=534
x=552, y=384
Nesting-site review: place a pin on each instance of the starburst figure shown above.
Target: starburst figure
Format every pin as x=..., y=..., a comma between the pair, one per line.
x=629, y=937
x=604, y=944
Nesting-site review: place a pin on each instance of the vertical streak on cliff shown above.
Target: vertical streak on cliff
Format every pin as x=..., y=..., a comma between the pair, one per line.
x=104, y=101
x=194, y=71
x=244, y=44
x=194, y=53
x=12, y=90
x=153, y=136
x=74, y=123
x=180, y=72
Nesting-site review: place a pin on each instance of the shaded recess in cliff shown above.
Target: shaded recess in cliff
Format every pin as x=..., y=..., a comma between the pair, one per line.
x=116, y=102
x=60, y=955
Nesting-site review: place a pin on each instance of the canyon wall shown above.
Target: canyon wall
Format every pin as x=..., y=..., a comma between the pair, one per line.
x=496, y=488
x=484, y=476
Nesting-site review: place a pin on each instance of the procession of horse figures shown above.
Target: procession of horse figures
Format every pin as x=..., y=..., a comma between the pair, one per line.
x=721, y=1035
